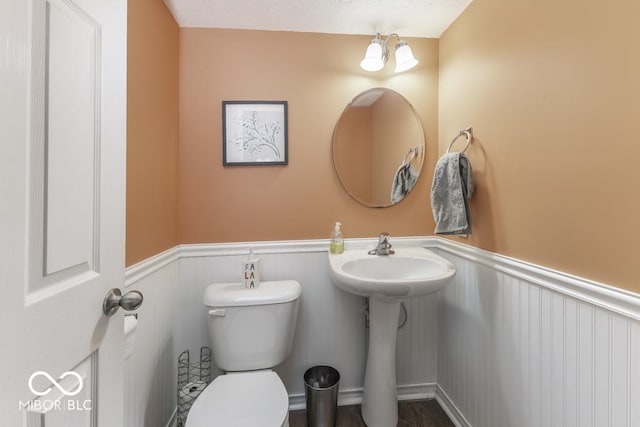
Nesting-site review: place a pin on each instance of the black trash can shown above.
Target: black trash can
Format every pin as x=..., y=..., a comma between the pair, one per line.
x=321, y=391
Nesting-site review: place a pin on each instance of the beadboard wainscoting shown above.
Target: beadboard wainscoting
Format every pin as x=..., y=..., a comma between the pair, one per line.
x=505, y=343
x=330, y=328
x=150, y=372
x=522, y=345
x=331, y=323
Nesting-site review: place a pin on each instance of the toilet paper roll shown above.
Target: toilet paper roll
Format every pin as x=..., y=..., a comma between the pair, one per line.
x=130, y=326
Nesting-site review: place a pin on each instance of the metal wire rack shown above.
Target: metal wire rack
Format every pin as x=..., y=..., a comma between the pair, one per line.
x=193, y=378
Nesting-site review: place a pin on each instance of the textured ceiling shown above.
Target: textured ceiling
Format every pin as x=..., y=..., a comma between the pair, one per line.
x=409, y=18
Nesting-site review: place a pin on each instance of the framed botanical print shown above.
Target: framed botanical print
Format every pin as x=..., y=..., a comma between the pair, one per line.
x=254, y=133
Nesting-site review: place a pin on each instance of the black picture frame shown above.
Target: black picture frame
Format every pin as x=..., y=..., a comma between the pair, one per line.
x=255, y=133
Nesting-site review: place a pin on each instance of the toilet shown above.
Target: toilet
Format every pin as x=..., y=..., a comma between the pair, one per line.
x=251, y=331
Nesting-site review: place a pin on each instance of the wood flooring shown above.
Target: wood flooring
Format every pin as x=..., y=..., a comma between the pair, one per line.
x=411, y=413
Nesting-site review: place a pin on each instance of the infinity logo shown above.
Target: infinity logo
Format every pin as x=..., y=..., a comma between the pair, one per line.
x=55, y=383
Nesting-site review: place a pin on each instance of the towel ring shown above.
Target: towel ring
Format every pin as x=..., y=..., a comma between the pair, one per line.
x=410, y=155
x=468, y=132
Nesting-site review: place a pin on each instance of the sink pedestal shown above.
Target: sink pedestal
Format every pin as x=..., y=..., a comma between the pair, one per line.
x=380, y=398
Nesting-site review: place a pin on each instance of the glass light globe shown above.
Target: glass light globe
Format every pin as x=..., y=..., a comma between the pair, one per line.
x=404, y=57
x=374, y=59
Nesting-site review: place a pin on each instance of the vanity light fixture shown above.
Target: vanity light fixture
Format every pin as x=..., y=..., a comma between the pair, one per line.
x=378, y=53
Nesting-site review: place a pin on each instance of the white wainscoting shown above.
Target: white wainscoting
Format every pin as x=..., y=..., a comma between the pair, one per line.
x=331, y=324
x=330, y=328
x=521, y=345
x=150, y=373
x=505, y=344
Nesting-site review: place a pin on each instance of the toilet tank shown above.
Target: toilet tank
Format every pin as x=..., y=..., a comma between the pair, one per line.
x=251, y=329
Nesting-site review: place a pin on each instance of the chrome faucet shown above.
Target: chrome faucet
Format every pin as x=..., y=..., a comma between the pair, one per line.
x=384, y=246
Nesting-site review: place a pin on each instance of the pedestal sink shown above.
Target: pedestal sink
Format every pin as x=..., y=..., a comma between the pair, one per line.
x=386, y=280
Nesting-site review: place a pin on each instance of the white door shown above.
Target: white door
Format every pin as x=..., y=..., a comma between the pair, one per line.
x=62, y=200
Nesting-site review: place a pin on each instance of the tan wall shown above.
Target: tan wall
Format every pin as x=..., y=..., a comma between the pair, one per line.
x=552, y=90
x=318, y=74
x=352, y=153
x=152, y=130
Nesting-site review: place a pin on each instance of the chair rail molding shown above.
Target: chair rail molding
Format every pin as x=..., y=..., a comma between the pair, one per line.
x=608, y=297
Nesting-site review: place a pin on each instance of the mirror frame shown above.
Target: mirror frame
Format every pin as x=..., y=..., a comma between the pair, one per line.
x=421, y=153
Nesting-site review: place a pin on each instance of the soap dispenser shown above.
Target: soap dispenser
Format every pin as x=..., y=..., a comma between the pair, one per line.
x=336, y=246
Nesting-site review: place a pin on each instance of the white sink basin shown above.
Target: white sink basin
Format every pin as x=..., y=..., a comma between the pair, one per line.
x=408, y=273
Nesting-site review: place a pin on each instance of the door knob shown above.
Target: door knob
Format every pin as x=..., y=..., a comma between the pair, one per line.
x=114, y=300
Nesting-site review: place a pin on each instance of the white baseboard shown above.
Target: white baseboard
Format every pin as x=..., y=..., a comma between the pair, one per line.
x=450, y=408
x=417, y=391
x=174, y=418
x=354, y=396
x=297, y=402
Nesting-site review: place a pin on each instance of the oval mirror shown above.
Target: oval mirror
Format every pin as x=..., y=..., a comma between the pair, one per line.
x=378, y=148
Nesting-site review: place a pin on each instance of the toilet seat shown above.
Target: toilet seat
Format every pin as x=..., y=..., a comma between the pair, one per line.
x=242, y=399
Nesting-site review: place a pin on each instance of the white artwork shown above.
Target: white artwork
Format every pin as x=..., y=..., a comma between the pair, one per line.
x=254, y=133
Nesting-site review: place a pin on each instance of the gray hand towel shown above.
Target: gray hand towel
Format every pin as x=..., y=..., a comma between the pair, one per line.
x=403, y=181
x=450, y=192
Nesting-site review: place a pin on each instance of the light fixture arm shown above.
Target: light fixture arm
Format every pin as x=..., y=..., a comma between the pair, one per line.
x=386, y=40
x=385, y=43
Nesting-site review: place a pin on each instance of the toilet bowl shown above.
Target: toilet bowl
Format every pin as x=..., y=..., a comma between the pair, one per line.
x=251, y=331
x=246, y=399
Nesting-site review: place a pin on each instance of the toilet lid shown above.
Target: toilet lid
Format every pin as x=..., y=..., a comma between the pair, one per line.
x=246, y=399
